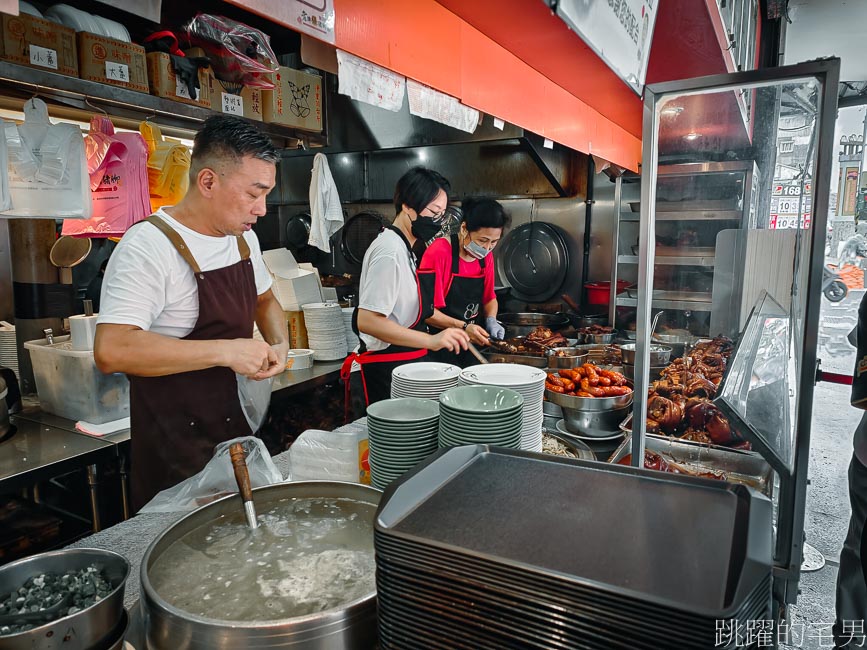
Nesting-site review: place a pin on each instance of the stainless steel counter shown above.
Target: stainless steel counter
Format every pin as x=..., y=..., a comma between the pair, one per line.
x=296, y=381
x=37, y=452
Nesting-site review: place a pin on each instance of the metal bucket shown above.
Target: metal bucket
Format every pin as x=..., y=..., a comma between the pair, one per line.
x=91, y=627
x=352, y=625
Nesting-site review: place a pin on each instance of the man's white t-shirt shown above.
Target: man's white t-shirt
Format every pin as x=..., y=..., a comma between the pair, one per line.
x=149, y=285
x=388, y=284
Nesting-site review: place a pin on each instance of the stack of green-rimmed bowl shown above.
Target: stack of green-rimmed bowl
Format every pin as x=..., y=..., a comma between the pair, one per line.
x=487, y=415
x=401, y=433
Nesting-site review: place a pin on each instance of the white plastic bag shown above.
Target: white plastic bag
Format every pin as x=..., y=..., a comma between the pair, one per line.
x=255, y=397
x=339, y=455
x=47, y=167
x=217, y=478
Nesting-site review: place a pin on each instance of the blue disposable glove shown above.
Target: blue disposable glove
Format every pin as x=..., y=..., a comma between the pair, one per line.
x=494, y=328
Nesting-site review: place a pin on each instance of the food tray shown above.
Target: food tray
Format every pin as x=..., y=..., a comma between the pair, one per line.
x=744, y=467
x=495, y=356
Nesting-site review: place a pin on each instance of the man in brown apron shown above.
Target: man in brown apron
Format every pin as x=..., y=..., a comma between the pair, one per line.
x=180, y=297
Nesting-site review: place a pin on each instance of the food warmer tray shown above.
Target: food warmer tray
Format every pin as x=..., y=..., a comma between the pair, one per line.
x=744, y=467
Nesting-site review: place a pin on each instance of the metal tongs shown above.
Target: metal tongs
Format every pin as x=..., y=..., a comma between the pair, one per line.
x=242, y=476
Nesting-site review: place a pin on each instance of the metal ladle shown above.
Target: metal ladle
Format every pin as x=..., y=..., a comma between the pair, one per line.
x=653, y=324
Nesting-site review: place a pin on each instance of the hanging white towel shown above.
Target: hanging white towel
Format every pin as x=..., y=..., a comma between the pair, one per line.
x=326, y=215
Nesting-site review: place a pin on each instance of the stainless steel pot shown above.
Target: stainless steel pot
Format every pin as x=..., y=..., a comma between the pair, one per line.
x=587, y=320
x=595, y=424
x=521, y=324
x=91, y=627
x=349, y=626
x=568, y=357
x=659, y=354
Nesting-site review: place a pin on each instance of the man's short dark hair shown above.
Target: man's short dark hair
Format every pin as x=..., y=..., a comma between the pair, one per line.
x=418, y=187
x=229, y=138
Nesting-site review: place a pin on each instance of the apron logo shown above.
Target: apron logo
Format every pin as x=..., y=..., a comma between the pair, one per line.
x=471, y=311
x=862, y=366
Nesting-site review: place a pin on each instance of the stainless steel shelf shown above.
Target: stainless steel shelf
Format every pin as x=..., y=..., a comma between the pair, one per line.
x=24, y=82
x=688, y=215
x=668, y=260
x=667, y=303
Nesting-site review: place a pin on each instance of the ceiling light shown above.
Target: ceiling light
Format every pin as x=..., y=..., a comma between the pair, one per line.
x=692, y=136
x=671, y=111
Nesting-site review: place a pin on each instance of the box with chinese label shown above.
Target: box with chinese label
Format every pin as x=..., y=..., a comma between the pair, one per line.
x=110, y=61
x=39, y=43
x=296, y=100
x=247, y=103
x=165, y=83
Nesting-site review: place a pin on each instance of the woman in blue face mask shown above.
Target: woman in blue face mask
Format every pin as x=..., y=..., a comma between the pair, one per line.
x=463, y=270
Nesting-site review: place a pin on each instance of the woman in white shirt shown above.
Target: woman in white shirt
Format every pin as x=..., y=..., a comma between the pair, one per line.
x=394, y=299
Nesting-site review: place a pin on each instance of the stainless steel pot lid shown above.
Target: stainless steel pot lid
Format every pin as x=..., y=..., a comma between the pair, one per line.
x=70, y=251
x=534, y=261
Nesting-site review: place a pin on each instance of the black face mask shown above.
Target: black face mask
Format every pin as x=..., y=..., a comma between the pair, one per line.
x=425, y=228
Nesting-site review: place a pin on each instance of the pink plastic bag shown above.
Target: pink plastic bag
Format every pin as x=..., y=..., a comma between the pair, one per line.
x=117, y=164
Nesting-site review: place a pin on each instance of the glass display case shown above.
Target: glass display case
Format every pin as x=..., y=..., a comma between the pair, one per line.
x=712, y=176
x=695, y=202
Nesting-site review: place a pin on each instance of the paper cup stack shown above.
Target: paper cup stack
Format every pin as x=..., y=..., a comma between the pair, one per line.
x=8, y=347
x=480, y=415
x=400, y=434
x=423, y=379
x=351, y=337
x=527, y=381
x=325, y=332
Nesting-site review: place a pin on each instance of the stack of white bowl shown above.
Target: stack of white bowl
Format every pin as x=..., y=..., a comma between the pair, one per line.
x=400, y=434
x=8, y=347
x=480, y=415
x=423, y=379
x=528, y=381
x=351, y=337
x=325, y=331
x=81, y=21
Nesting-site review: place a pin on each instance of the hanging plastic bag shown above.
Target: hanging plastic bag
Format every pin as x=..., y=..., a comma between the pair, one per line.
x=117, y=165
x=168, y=167
x=47, y=168
x=5, y=196
x=239, y=54
x=217, y=479
x=255, y=397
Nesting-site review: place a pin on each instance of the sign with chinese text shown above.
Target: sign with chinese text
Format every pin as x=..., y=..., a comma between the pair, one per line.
x=619, y=31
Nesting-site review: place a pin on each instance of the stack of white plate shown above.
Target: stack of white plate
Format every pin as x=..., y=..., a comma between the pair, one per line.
x=400, y=434
x=325, y=333
x=81, y=21
x=351, y=338
x=480, y=415
x=423, y=379
x=8, y=347
x=528, y=381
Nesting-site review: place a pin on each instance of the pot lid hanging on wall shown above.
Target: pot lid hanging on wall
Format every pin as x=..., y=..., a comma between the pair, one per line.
x=533, y=261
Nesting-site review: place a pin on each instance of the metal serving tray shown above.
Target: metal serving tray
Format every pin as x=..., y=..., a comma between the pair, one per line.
x=744, y=467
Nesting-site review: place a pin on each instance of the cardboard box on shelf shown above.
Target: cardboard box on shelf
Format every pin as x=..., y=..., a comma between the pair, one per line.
x=37, y=43
x=295, y=101
x=165, y=83
x=110, y=61
x=247, y=103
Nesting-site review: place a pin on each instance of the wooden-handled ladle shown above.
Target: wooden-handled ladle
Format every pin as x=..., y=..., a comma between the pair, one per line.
x=242, y=476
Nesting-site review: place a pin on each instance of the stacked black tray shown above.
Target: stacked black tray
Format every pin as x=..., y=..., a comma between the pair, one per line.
x=490, y=548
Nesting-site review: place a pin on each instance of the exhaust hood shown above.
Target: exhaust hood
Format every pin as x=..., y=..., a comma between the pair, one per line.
x=370, y=148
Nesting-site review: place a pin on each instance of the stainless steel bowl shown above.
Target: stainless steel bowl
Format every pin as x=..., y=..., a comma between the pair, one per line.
x=352, y=625
x=521, y=324
x=595, y=424
x=659, y=354
x=570, y=358
x=654, y=373
x=588, y=404
x=598, y=339
x=86, y=629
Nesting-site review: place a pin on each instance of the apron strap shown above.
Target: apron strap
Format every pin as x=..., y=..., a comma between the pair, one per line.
x=176, y=240
x=243, y=248
x=456, y=255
